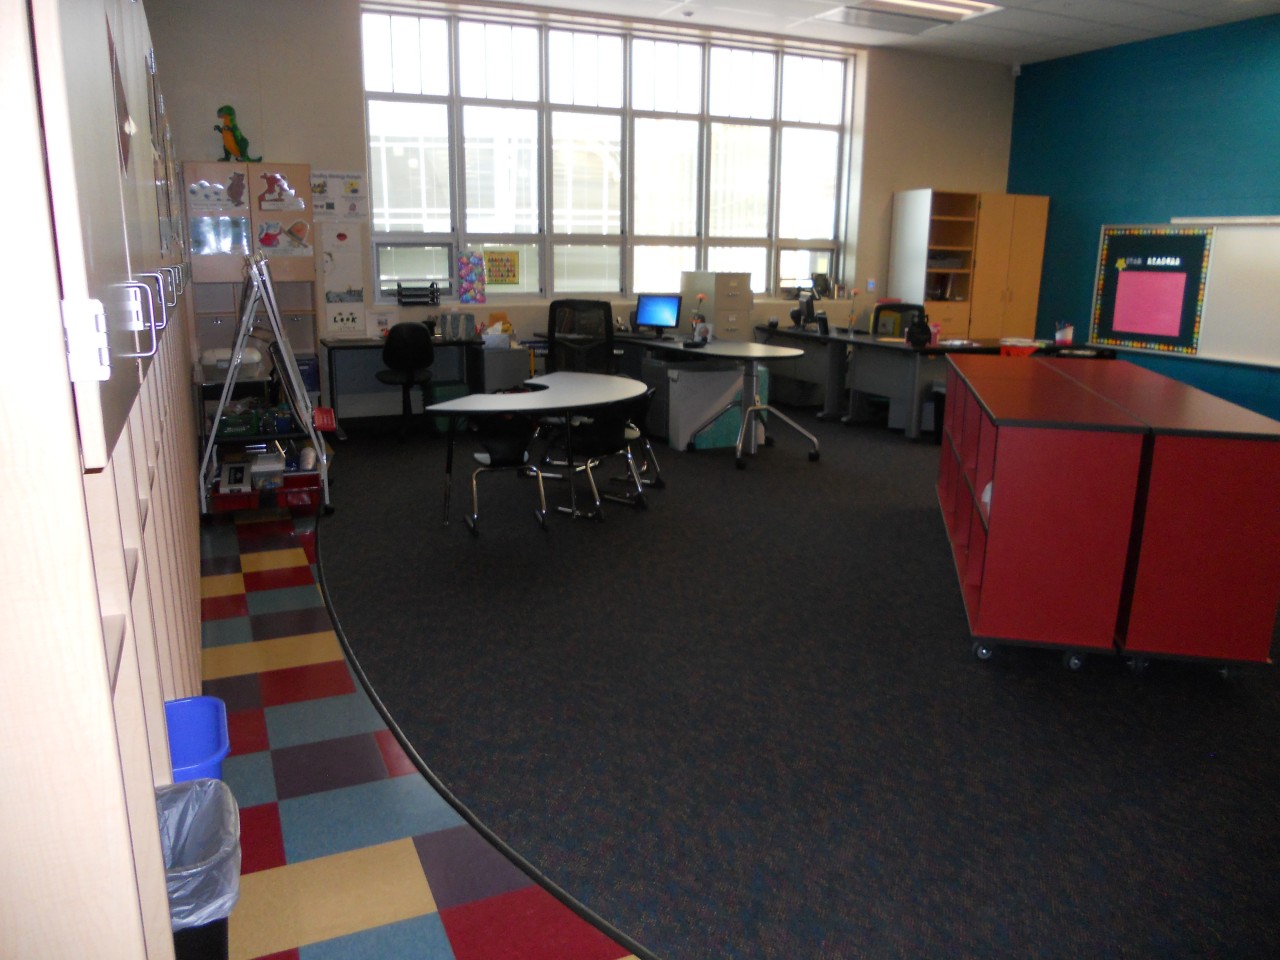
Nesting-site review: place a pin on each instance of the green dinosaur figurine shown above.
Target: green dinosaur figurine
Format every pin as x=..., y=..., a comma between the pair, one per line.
x=235, y=145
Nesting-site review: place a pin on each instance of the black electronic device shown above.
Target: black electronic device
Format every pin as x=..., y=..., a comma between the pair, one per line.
x=657, y=312
x=694, y=344
x=804, y=315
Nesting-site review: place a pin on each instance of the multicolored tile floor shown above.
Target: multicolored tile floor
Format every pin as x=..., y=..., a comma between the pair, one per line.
x=348, y=852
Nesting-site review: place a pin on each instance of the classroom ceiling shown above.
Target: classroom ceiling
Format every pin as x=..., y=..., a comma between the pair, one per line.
x=1020, y=31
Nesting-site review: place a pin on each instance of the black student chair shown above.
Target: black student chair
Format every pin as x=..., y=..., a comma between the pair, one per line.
x=598, y=437
x=408, y=354
x=649, y=471
x=505, y=439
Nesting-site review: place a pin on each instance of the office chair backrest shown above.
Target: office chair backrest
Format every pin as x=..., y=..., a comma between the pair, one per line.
x=580, y=336
x=408, y=347
x=892, y=319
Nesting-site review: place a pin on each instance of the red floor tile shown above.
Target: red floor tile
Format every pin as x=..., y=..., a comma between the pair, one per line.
x=528, y=924
x=295, y=684
x=248, y=729
x=393, y=755
x=274, y=579
x=261, y=840
x=222, y=608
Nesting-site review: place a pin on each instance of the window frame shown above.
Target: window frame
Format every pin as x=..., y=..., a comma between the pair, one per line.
x=625, y=241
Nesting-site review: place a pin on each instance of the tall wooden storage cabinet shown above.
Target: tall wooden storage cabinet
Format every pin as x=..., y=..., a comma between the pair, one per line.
x=972, y=259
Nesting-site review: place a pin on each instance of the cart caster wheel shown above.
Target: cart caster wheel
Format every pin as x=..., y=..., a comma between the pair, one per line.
x=813, y=456
x=1073, y=661
x=983, y=650
x=1138, y=665
x=1226, y=672
x=328, y=510
x=740, y=464
x=690, y=447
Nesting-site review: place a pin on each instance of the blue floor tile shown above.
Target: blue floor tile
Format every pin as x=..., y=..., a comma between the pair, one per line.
x=339, y=820
x=284, y=598
x=223, y=633
x=307, y=721
x=250, y=778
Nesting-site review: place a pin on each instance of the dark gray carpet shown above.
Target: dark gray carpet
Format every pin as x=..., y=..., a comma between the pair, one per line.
x=747, y=722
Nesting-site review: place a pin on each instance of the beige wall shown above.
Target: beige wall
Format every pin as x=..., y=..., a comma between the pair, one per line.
x=291, y=68
x=928, y=122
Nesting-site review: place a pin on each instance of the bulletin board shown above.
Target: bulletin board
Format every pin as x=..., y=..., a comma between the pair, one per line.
x=1209, y=291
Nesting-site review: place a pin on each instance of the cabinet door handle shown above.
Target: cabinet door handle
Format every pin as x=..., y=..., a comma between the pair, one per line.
x=141, y=287
x=174, y=274
x=163, y=299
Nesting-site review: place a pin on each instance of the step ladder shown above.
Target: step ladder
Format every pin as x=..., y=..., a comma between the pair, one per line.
x=258, y=291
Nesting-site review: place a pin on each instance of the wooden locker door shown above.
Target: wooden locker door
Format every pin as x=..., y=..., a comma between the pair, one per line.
x=991, y=266
x=1026, y=258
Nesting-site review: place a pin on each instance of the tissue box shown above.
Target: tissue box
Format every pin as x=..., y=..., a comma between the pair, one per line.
x=497, y=341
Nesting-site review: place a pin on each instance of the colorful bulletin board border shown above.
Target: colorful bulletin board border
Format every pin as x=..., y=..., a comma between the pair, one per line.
x=502, y=267
x=1149, y=289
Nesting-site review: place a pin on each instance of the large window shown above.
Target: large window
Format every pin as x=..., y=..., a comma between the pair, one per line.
x=598, y=161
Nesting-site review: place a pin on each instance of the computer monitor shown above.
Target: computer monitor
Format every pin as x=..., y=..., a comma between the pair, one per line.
x=658, y=312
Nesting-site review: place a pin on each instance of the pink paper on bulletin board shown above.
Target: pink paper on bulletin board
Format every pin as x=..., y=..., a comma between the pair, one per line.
x=1149, y=302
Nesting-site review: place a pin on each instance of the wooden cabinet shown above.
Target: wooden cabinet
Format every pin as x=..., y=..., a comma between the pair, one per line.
x=1095, y=505
x=1007, y=261
x=972, y=259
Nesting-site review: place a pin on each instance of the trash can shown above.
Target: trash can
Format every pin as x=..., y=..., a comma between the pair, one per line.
x=200, y=838
x=198, y=737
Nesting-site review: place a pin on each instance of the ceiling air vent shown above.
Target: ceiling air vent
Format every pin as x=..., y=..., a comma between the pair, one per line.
x=907, y=16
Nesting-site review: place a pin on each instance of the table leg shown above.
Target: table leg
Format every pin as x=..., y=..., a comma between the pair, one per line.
x=835, y=380
x=448, y=466
x=338, y=432
x=912, y=429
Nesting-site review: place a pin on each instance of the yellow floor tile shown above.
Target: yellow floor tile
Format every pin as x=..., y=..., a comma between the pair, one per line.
x=317, y=900
x=222, y=585
x=273, y=560
x=237, y=659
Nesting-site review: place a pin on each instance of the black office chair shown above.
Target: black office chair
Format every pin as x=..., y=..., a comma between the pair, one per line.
x=596, y=438
x=408, y=355
x=892, y=319
x=506, y=439
x=580, y=336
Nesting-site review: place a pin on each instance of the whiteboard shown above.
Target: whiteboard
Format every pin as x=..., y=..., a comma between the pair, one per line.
x=1241, y=319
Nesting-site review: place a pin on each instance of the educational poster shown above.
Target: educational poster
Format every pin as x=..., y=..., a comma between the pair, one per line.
x=339, y=196
x=471, y=278
x=501, y=267
x=342, y=277
x=282, y=219
x=1149, y=292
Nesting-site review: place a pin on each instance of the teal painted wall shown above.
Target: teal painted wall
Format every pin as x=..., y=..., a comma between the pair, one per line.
x=1187, y=125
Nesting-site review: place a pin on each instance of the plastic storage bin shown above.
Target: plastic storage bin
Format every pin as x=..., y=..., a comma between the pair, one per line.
x=200, y=841
x=198, y=737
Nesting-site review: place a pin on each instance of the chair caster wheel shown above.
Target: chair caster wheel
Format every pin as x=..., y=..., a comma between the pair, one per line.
x=983, y=650
x=471, y=525
x=1073, y=661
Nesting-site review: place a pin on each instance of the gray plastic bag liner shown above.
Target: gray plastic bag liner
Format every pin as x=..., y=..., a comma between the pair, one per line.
x=200, y=836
